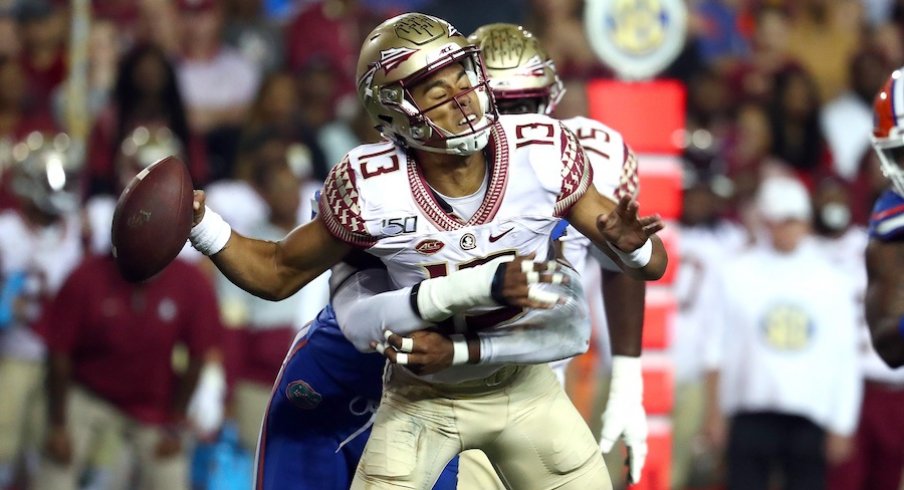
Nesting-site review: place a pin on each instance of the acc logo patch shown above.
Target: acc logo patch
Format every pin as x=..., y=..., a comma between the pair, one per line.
x=636, y=38
x=429, y=247
x=302, y=395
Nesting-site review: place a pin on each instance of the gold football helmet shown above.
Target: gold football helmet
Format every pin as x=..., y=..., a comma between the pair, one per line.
x=518, y=67
x=46, y=171
x=405, y=50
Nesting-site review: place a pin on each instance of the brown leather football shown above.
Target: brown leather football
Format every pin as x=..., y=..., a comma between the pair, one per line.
x=152, y=220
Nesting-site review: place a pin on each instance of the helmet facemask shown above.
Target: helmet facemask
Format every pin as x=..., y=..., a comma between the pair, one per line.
x=421, y=131
x=891, y=159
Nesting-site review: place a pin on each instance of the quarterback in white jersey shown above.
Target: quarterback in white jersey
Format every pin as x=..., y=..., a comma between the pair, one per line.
x=41, y=243
x=458, y=185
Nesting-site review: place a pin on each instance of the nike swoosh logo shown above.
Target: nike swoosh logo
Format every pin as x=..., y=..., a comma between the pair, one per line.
x=497, y=237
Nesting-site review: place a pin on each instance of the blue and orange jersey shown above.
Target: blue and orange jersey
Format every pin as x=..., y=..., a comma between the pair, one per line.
x=886, y=223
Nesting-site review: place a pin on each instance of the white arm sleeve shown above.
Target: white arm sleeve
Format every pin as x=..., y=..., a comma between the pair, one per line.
x=542, y=335
x=364, y=308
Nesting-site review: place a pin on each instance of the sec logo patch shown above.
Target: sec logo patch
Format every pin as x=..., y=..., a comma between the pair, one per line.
x=636, y=38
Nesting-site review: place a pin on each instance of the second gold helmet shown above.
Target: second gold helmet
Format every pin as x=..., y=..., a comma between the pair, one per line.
x=518, y=67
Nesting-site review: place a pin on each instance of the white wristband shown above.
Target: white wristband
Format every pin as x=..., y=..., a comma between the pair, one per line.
x=627, y=377
x=211, y=234
x=638, y=258
x=441, y=297
x=460, y=353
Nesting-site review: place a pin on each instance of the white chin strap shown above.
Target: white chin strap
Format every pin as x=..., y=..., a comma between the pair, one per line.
x=459, y=145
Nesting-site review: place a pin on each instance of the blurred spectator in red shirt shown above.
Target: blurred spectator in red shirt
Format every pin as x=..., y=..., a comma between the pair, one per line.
x=217, y=82
x=207, y=64
x=146, y=92
x=18, y=116
x=330, y=32
x=43, y=32
x=111, y=372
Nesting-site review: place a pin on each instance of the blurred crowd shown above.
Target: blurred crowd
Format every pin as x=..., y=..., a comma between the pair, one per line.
x=258, y=98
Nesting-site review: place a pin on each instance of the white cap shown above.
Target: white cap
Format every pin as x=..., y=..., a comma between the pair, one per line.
x=783, y=198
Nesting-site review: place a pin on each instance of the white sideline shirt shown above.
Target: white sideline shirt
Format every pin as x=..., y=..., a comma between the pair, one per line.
x=788, y=338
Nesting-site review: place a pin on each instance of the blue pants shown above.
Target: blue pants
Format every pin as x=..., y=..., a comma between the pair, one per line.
x=319, y=416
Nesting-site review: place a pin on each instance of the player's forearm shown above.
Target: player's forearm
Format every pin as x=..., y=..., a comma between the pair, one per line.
x=655, y=269
x=365, y=310
x=541, y=335
x=646, y=259
x=57, y=389
x=883, y=303
x=364, y=317
x=887, y=340
x=535, y=344
x=270, y=270
x=711, y=406
x=184, y=389
x=623, y=298
x=253, y=266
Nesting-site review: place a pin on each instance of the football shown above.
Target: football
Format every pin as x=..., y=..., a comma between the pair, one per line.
x=152, y=219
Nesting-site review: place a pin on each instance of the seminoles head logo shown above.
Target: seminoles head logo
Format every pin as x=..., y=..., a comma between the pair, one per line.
x=467, y=241
x=429, y=247
x=302, y=395
x=391, y=58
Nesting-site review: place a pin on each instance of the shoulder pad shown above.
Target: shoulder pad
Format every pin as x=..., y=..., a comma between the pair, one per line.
x=887, y=219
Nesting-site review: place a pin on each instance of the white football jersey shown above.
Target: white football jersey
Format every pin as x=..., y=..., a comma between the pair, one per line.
x=378, y=199
x=40, y=258
x=614, y=175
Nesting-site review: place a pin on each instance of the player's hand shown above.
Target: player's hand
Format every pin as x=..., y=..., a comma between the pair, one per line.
x=169, y=444
x=715, y=431
x=517, y=277
x=422, y=352
x=198, y=207
x=838, y=448
x=59, y=445
x=625, y=416
x=624, y=229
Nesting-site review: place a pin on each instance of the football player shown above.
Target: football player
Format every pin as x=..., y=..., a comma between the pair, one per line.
x=885, y=251
x=478, y=187
x=524, y=81
x=41, y=243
